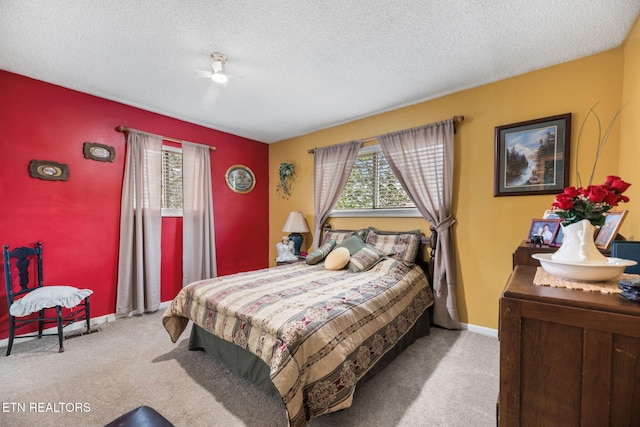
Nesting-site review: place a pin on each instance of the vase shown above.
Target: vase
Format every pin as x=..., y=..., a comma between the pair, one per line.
x=578, y=245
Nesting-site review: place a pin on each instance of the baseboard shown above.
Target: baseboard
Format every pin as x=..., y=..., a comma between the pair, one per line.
x=95, y=321
x=163, y=305
x=479, y=330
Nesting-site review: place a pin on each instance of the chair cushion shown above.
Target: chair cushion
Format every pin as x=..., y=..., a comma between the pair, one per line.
x=47, y=297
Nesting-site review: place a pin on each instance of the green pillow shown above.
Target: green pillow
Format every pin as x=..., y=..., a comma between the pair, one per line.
x=320, y=253
x=353, y=243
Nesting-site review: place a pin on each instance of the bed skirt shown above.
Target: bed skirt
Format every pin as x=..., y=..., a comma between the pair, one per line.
x=256, y=371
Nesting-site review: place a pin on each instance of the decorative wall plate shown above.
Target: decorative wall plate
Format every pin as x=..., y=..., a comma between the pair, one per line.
x=240, y=179
x=99, y=152
x=48, y=170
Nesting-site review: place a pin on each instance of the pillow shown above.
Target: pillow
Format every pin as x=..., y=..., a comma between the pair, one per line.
x=337, y=259
x=365, y=258
x=340, y=235
x=353, y=243
x=401, y=245
x=47, y=297
x=320, y=253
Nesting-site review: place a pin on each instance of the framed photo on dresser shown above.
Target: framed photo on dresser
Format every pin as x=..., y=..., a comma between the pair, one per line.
x=543, y=230
x=609, y=230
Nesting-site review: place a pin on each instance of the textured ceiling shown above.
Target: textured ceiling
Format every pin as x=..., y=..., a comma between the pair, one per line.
x=301, y=66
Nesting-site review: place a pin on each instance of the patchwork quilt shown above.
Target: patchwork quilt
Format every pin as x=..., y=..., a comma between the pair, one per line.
x=318, y=330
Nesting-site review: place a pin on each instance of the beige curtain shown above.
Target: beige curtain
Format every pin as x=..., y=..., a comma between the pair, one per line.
x=140, y=226
x=198, y=239
x=422, y=159
x=332, y=167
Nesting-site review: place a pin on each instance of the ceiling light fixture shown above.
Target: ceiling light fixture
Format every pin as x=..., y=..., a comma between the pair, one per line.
x=219, y=60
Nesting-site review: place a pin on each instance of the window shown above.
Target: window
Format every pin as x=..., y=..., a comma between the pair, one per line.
x=373, y=189
x=171, y=181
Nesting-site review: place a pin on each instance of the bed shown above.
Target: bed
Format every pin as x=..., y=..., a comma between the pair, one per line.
x=308, y=333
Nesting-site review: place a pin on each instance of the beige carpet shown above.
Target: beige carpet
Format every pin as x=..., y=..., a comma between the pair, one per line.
x=449, y=378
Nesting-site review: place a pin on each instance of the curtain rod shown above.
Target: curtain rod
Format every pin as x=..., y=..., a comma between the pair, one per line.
x=126, y=129
x=456, y=119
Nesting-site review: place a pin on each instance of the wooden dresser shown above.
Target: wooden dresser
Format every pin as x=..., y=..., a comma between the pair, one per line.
x=567, y=357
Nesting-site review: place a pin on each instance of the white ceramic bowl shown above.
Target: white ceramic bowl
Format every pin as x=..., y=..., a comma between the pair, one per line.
x=582, y=271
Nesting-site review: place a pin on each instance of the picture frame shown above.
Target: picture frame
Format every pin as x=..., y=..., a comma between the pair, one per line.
x=532, y=157
x=48, y=170
x=547, y=228
x=609, y=230
x=240, y=179
x=98, y=152
x=557, y=240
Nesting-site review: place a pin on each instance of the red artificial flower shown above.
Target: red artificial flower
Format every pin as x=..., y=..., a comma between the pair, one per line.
x=571, y=192
x=612, y=198
x=616, y=184
x=590, y=203
x=584, y=191
x=597, y=193
x=563, y=202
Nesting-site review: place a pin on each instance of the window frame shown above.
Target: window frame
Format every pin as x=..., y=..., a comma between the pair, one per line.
x=171, y=212
x=375, y=213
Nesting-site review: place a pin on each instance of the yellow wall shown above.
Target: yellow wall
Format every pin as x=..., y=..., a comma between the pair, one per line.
x=630, y=131
x=488, y=228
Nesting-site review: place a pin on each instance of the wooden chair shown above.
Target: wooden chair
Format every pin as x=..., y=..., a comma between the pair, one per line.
x=32, y=297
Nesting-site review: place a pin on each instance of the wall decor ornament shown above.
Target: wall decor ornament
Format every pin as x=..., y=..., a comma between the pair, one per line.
x=286, y=171
x=240, y=179
x=48, y=170
x=99, y=152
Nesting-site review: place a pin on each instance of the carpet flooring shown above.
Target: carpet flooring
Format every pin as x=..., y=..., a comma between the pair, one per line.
x=449, y=378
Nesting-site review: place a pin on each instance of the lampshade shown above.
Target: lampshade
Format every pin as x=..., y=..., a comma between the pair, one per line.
x=296, y=223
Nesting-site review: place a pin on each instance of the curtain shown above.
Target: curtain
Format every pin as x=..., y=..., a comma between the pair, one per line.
x=140, y=226
x=198, y=238
x=422, y=159
x=332, y=167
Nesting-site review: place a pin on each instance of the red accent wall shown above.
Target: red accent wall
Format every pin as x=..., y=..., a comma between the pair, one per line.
x=78, y=220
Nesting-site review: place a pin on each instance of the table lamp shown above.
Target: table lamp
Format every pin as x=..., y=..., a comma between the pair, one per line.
x=295, y=225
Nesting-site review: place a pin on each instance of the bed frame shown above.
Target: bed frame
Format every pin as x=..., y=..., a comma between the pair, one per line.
x=256, y=371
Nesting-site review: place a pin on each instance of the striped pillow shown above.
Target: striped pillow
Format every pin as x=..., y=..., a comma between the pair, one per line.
x=340, y=235
x=365, y=258
x=401, y=245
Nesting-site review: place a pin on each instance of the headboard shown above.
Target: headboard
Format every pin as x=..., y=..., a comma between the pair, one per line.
x=427, y=254
x=426, y=251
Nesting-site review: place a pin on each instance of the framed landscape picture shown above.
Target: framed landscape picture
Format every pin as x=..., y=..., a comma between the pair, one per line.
x=532, y=157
